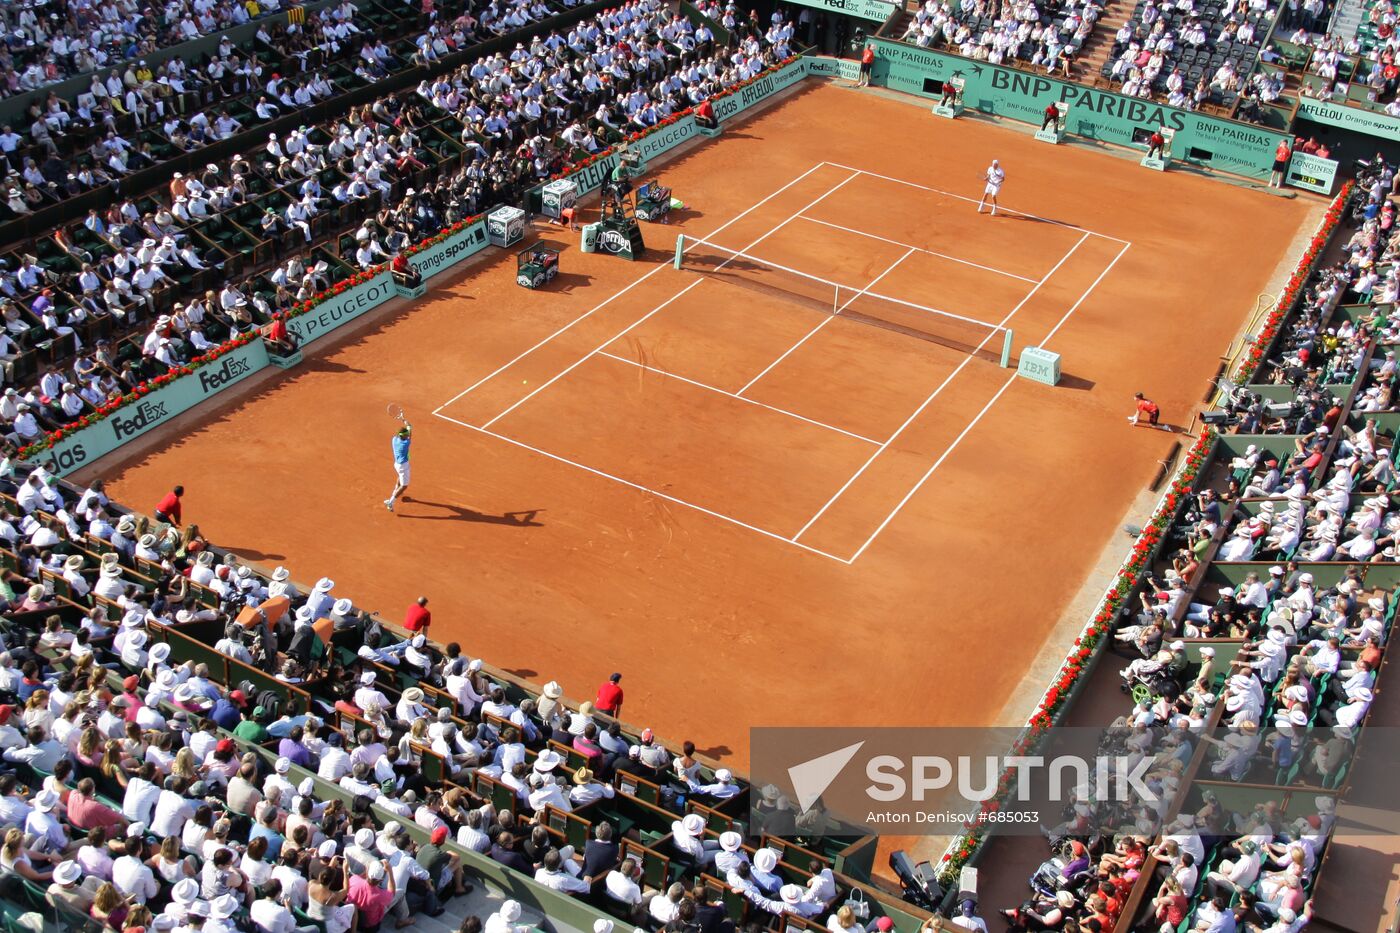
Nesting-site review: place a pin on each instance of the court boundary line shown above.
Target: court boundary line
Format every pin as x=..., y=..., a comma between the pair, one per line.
x=644, y=318
x=646, y=489
x=918, y=249
x=882, y=446
x=963, y=197
x=705, y=385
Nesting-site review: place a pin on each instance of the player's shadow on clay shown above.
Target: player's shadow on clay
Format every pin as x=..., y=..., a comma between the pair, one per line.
x=524, y=518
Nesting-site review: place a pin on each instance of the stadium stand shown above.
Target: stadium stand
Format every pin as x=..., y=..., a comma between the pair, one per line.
x=1192, y=55
x=165, y=702
x=69, y=39
x=1046, y=37
x=130, y=292
x=1251, y=649
x=138, y=118
x=190, y=745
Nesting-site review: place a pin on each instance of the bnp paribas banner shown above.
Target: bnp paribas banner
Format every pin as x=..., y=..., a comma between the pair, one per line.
x=1227, y=145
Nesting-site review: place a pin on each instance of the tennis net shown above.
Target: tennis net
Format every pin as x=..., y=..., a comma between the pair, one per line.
x=984, y=340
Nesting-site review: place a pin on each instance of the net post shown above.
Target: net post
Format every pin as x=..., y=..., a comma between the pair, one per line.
x=1006, y=349
x=680, y=248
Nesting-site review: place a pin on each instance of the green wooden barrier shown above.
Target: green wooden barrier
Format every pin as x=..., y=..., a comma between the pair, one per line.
x=631, y=785
x=183, y=648
x=573, y=827
x=1230, y=446
x=1275, y=393
x=1242, y=798
x=634, y=813
x=1387, y=422
x=488, y=788
x=715, y=821
x=656, y=867
x=1225, y=652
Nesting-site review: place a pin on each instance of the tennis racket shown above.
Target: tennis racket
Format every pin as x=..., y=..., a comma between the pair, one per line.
x=396, y=411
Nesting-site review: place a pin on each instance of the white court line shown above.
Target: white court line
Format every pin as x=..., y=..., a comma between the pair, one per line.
x=705, y=385
x=618, y=294
x=985, y=408
x=1008, y=210
x=919, y=249
x=811, y=333
x=1061, y=322
x=938, y=391
x=617, y=336
x=638, y=486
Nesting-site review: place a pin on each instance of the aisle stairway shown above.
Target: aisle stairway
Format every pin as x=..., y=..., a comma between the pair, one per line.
x=1347, y=20
x=1099, y=46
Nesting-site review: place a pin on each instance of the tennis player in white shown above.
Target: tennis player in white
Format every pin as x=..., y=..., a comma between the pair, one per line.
x=403, y=437
x=995, y=176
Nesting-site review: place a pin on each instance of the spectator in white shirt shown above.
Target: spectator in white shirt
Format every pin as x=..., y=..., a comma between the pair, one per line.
x=131, y=875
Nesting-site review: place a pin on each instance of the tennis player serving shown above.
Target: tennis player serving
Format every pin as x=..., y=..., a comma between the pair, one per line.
x=400, y=442
x=995, y=176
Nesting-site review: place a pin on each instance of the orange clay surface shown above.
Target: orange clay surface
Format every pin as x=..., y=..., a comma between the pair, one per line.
x=943, y=512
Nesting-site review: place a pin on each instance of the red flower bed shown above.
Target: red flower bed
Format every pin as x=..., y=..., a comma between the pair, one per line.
x=1077, y=662
x=209, y=356
x=1259, y=344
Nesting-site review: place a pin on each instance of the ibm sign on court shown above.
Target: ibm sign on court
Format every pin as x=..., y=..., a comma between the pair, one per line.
x=1039, y=366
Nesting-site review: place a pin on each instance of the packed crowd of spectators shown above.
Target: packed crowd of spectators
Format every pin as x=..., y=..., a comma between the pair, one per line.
x=137, y=116
x=165, y=268
x=568, y=96
x=1281, y=688
x=1276, y=697
x=1044, y=36
x=49, y=42
x=139, y=790
x=1319, y=347
x=1189, y=53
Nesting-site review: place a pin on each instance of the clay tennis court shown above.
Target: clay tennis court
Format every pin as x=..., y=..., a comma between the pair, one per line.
x=759, y=510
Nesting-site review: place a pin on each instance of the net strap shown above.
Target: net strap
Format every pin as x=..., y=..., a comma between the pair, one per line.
x=733, y=254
